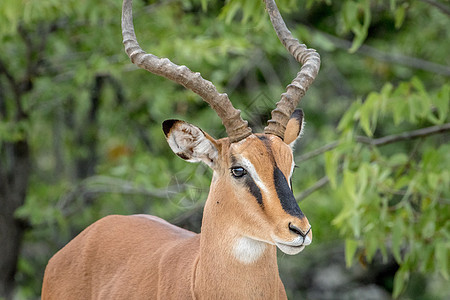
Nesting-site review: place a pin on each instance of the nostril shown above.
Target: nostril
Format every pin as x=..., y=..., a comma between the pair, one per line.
x=296, y=230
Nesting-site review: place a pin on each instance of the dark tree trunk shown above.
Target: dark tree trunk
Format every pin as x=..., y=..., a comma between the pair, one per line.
x=11, y=233
x=15, y=154
x=14, y=174
x=87, y=137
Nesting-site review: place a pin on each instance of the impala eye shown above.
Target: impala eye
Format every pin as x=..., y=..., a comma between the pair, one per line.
x=238, y=172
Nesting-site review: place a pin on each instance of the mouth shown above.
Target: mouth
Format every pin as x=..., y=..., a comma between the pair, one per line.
x=294, y=247
x=290, y=249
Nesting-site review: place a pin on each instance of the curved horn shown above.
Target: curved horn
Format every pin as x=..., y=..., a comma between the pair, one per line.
x=310, y=61
x=237, y=129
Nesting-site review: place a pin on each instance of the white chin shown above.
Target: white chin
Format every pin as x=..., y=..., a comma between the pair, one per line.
x=291, y=250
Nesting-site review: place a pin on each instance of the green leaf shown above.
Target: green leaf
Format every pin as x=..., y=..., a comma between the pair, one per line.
x=400, y=13
x=433, y=180
x=362, y=180
x=309, y=3
x=360, y=30
x=350, y=249
x=10, y=12
x=349, y=185
x=441, y=253
x=392, y=4
x=385, y=96
x=204, y=5
x=400, y=280
x=429, y=228
x=418, y=85
x=251, y=9
x=398, y=159
x=397, y=238
x=371, y=244
x=442, y=103
x=348, y=120
x=323, y=42
x=399, y=111
x=350, y=14
x=355, y=224
x=369, y=114
x=229, y=11
x=331, y=166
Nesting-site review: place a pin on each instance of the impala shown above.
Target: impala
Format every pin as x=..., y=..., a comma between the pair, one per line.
x=249, y=212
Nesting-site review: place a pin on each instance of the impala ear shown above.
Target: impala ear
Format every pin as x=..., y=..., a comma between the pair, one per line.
x=294, y=128
x=190, y=142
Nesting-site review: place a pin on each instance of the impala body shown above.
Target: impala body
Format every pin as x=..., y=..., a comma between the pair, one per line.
x=234, y=257
x=250, y=210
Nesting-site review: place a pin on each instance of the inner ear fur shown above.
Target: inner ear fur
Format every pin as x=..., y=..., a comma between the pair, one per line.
x=190, y=142
x=294, y=128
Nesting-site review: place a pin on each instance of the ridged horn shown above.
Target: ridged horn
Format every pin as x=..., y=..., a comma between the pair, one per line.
x=310, y=61
x=237, y=129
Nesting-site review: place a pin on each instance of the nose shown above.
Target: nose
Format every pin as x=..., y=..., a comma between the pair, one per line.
x=294, y=229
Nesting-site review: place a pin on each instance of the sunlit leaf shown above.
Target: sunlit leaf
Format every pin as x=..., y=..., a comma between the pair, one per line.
x=400, y=13
x=442, y=255
x=331, y=165
x=350, y=249
x=400, y=280
x=397, y=238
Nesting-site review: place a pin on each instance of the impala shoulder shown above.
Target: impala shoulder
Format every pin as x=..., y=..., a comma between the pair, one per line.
x=162, y=224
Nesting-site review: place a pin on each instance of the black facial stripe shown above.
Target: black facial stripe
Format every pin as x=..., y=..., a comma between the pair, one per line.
x=285, y=194
x=254, y=189
x=250, y=183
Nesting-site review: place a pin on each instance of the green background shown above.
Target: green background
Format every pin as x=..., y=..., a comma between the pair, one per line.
x=81, y=138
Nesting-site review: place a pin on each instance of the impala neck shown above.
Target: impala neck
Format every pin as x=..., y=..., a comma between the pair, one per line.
x=230, y=263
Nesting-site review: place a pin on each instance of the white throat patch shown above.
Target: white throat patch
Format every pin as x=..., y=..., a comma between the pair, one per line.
x=247, y=250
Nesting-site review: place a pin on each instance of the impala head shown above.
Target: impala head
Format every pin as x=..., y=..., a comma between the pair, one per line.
x=252, y=172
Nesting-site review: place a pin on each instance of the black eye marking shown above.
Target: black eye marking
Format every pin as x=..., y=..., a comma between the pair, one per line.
x=285, y=194
x=238, y=172
x=254, y=190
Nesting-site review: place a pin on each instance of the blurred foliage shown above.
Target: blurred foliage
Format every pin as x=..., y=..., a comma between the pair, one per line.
x=93, y=119
x=394, y=198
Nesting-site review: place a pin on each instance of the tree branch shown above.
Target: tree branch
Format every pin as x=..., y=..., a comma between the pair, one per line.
x=316, y=186
x=411, y=62
x=34, y=52
x=441, y=6
x=423, y=132
x=316, y=152
x=409, y=135
x=96, y=185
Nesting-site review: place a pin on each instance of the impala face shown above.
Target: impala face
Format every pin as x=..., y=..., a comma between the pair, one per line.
x=252, y=179
x=260, y=169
